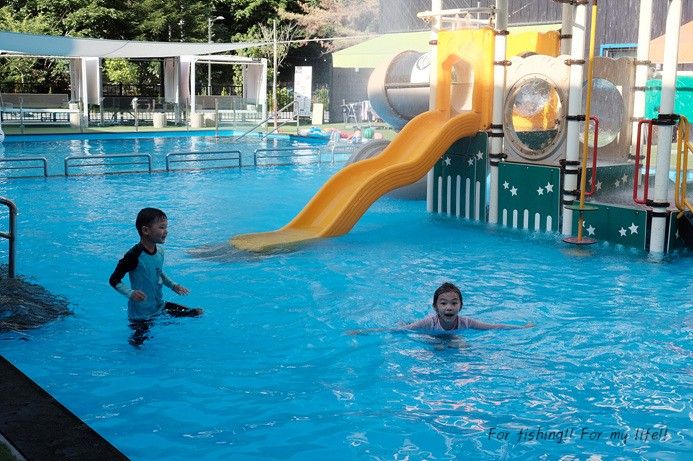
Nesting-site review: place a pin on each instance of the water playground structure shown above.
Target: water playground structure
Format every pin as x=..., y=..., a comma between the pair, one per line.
x=507, y=112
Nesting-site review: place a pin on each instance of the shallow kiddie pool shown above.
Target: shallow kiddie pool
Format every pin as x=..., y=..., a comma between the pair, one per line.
x=269, y=372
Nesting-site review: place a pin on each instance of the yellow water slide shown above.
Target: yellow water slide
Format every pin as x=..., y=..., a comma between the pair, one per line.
x=345, y=197
x=464, y=60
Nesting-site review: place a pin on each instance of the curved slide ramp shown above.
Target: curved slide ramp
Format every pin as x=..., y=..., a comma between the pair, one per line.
x=346, y=196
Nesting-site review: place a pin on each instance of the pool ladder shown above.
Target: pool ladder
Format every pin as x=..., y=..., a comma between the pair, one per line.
x=272, y=116
x=11, y=234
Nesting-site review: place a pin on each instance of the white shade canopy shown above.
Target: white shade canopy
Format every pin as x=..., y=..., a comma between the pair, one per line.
x=13, y=43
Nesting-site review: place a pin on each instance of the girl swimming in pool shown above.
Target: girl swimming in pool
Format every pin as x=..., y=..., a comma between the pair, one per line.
x=447, y=302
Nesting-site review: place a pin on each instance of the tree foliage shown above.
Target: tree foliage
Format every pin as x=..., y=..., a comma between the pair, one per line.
x=79, y=18
x=336, y=18
x=120, y=71
x=30, y=74
x=166, y=20
x=179, y=20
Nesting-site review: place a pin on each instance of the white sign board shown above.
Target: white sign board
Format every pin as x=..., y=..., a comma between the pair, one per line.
x=303, y=90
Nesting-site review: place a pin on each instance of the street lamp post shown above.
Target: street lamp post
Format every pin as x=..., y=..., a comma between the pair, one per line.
x=210, y=21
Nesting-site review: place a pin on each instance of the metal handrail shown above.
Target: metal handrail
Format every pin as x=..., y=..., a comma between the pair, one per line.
x=646, y=179
x=683, y=147
x=276, y=128
x=593, y=180
x=186, y=154
x=10, y=235
x=267, y=119
x=43, y=160
x=314, y=151
x=101, y=157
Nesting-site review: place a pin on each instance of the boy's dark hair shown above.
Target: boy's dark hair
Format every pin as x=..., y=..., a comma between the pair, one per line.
x=446, y=288
x=147, y=217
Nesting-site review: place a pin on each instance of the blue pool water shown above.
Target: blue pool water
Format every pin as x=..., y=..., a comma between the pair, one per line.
x=55, y=148
x=270, y=371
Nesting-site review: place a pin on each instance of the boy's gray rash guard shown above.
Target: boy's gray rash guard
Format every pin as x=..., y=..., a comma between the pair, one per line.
x=146, y=275
x=432, y=323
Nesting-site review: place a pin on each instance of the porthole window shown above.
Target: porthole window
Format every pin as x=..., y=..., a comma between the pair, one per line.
x=533, y=114
x=607, y=105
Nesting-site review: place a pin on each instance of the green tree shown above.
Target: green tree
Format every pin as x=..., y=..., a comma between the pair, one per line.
x=81, y=18
x=120, y=71
x=94, y=19
x=177, y=20
x=247, y=14
x=31, y=74
x=336, y=18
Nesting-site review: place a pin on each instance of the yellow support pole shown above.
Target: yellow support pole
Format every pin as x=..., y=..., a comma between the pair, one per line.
x=588, y=107
x=683, y=146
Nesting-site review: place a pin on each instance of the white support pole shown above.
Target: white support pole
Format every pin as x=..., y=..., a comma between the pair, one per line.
x=436, y=6
x=665, y=131
x=499, y=75
x=84, y=80
x=193, y=91
x=176, y=85
x=274, y=72
x=641, y=67
x=85, y=92
x=566, y=27
x=572, y=154
x=262, y=96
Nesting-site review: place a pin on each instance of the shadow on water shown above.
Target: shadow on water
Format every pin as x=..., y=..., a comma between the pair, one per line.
x=25, y=305
x=226, y=253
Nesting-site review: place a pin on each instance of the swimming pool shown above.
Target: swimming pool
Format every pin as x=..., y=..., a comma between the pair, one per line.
x=269, y=372
x=188, y=152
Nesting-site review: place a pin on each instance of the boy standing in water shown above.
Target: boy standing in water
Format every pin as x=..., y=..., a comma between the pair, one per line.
x=447, y=302
x=144, y=263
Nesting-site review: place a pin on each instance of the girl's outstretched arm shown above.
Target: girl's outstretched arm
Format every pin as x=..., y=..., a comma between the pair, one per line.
x=477, y=325
x=374, y=330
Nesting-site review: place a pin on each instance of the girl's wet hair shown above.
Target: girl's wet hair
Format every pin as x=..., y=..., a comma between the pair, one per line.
x=147, y=217
x=446, y=288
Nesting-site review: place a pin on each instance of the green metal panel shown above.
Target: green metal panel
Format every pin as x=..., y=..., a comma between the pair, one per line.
x=675, y=241
x=683, y=102
x=612, y=180
x=529, y=196
x=622, y=225
x=459, y=187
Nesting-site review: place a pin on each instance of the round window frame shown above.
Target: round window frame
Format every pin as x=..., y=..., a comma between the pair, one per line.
x=621, y=120
x=511, y=135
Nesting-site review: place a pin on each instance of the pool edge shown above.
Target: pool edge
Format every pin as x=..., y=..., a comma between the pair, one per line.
x=39, y=427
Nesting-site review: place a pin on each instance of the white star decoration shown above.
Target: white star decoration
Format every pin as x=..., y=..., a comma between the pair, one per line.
x=447, y=161
x=598, y=186
x=633, y=228
x=513, y=190
x=622, y=231
x=480, y=155
x=506, y=184
x=617, y=183
x=548, y=187
x=624, y=179
x=590, y=230
x=470, y=162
